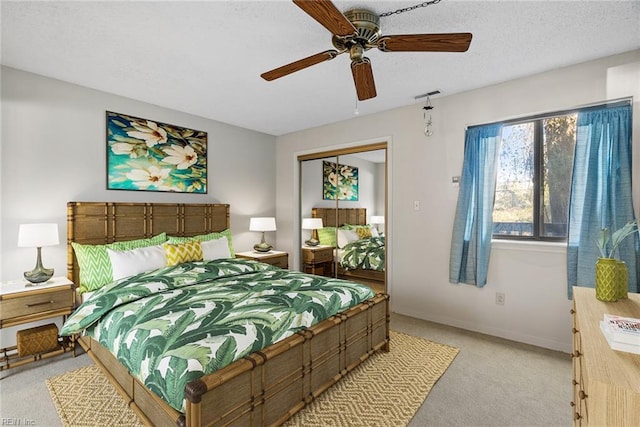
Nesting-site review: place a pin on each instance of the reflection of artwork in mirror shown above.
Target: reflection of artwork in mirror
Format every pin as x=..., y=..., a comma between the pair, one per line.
x=340, y=182
x=153, y=156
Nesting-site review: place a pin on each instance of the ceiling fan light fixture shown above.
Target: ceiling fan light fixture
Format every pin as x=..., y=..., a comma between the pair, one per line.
x=356, y=52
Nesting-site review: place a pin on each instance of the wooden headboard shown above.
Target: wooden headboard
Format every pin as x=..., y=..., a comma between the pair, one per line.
x=99, y=223
x=332, y=217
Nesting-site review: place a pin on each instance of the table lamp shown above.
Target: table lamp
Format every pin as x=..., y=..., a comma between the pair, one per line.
x=37, y=236
x=262, y=224
x=313, y=224
x=377, y=219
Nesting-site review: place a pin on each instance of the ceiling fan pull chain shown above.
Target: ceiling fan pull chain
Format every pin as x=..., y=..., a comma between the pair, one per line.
x=410, y=8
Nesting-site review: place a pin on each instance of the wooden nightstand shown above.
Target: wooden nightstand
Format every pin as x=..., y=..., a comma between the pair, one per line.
x=21, y=303
x=318, y=260
x=277, y=258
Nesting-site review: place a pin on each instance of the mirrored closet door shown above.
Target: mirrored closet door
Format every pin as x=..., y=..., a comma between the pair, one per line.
x=343, y=197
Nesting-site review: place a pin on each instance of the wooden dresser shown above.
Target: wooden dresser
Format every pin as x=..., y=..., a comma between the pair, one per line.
x=606, y=383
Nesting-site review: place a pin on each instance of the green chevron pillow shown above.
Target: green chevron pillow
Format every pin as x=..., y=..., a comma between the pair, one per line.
x=205, y=238
x=327, y=236
x=94, y=263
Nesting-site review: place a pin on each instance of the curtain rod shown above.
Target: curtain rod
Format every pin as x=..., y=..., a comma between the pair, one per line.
x=617, y=102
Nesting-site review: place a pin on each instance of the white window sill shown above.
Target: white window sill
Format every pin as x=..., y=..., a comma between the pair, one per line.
x=529, y=246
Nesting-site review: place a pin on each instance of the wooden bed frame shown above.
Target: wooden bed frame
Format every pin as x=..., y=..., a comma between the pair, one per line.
x=332, y=217
x=264, y=388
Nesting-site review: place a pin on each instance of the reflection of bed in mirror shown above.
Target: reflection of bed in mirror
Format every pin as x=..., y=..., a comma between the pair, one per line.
x=332, y=217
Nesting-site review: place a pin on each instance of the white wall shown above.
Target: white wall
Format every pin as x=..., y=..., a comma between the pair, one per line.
x=54, y=151
x=533, y=276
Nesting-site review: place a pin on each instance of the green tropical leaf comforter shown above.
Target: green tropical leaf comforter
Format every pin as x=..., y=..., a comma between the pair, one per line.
x=367, y=253
x=173, y=325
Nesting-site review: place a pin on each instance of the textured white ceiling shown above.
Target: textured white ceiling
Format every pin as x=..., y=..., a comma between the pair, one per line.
x=206, y=57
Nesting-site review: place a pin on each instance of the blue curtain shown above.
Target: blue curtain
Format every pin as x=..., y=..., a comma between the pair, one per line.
x=600, y=192
x=472, y=229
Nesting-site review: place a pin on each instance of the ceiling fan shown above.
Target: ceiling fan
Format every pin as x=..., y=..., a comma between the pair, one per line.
x=358, y=30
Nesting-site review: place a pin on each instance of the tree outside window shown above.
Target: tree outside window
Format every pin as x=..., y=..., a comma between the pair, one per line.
x=534, y=178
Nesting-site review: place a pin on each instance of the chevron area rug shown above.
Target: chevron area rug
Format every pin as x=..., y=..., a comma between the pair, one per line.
x=385, y=390
x=86, y=398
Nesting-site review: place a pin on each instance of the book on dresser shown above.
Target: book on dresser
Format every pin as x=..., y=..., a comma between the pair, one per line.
x=622, y=333
x=617, y=345
x=623, y=329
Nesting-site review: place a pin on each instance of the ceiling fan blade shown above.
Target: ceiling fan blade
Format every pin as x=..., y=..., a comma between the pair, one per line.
x=363, y=79
x=299, y=65
x=448, y=42
x=325, y=12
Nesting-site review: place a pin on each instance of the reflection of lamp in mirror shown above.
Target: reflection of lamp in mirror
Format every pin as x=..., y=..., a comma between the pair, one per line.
x=262, y=224
x=377, y=219
x=37, y=236
x=313, y=224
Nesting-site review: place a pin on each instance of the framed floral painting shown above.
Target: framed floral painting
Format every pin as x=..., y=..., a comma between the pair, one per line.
x=339, y=181
x=152, y=156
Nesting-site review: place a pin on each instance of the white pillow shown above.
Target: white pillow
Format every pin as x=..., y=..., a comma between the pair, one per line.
x=346, y=236
x=128, y=263
x=215, y=249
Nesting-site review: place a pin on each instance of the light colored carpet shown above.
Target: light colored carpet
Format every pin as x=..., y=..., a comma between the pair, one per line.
x=386, y=390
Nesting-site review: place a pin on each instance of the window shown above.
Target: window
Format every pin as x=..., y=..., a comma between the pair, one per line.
x=534, y=178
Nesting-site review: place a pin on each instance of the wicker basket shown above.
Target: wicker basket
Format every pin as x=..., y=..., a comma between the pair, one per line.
x=40, y=339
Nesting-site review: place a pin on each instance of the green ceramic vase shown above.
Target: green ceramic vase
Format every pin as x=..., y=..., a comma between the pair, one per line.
x=623, y=281
x=607, y=279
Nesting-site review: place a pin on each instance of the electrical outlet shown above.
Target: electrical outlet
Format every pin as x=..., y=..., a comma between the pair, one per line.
x=416, y=205
x=500, y=298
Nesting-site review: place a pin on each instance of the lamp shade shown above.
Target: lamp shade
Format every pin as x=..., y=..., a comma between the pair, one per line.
x=262, y=224
x=375, y=219
x=311, y=223
x=38, y=235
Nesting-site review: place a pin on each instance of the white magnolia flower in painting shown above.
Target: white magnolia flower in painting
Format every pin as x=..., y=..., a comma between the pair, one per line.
x=144, y=178
x=151, y=134
x=345, y=193
x=182, y=157
x=122, y=148
x=346, y=171
x=333, y=179
x=128, y=149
